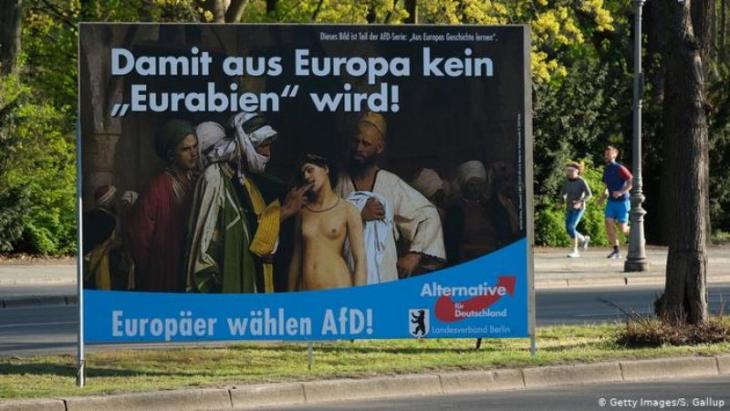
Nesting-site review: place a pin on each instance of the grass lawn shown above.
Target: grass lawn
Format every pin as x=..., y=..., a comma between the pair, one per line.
x=115, y=371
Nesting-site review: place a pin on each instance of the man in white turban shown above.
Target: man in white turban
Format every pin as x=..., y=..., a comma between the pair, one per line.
x=433, y=187
x=237, y=209
x=471, y=179
x=428, y=182
x=471, y=231
x=416, y=220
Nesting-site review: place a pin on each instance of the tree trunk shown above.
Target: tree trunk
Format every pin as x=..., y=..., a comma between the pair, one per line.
x=723, y=29
x=703, y=13
x=654, y=44
x=271, y=6
x=371, y=16
x=218, y=8
x=654, y=140
x=86, y=10
x=317, y=10
x=10, y=21
x=412, y=9
x=703, y=16
x=685, y=294
x=235, y=11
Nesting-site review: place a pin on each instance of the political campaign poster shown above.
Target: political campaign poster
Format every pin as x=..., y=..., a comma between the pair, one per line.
x=304, y=182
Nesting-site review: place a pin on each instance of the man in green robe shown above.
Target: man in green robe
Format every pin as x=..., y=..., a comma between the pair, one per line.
x=237, y=213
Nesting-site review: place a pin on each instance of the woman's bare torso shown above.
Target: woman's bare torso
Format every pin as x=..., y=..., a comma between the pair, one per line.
x=323, y=238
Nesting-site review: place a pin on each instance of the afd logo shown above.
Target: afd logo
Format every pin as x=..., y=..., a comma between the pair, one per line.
x=482, y=296
x=419, y=322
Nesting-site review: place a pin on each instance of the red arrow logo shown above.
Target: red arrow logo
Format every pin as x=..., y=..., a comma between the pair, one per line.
x=446, y=307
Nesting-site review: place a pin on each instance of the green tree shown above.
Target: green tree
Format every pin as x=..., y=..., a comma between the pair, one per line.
x=580, y=62
x=36, y=174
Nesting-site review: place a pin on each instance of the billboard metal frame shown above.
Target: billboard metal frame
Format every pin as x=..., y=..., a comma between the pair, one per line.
x=526, y=156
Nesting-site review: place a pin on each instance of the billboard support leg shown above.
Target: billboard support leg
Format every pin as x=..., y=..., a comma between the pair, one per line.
x=80, y=358
x=533, y=346
x=310, y=355
x=81, y=373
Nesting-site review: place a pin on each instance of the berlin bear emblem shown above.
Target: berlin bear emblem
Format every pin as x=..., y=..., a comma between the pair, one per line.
x=419, y=322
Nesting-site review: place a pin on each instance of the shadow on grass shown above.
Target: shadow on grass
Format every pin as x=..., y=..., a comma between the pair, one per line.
x=593, y=345
x=38, y=369
x=70, y=371
x=362, y=349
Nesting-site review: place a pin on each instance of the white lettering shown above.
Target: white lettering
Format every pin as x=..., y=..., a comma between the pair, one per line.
x=455, y=67
x=373, y=68
x=329, y=325
x=124, y=62
x=122, y=55
x=211, y=100
x=168, y=328
x=434, y=289
x=116, y=324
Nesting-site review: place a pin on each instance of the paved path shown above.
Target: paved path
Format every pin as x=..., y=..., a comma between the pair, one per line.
x=554, y=270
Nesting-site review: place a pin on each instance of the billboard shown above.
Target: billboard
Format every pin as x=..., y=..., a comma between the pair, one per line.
x=305, y=182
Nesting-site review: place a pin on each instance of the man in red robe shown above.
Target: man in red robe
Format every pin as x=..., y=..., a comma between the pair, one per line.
x=159, y=219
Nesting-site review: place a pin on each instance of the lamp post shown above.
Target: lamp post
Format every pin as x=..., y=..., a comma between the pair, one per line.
x=636, y=259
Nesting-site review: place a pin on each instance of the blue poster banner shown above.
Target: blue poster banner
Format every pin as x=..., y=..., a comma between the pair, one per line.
x=486, y=297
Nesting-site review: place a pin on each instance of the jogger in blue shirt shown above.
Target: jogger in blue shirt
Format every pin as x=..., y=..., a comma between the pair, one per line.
x=618, y=180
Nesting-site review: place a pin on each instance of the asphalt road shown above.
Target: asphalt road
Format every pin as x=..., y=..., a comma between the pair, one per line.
x=590, y=305
x=690, y=394
x=52, y=329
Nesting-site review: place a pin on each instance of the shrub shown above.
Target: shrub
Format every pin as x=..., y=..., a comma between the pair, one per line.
x=650, y=332
x=550, y=219
x=13, y=203
x=37, y=174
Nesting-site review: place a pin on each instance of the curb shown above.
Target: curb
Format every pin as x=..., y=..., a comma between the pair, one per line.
x=723, y=364
x=37, y=281
x=178, y=400
x=617, y=280
x=36, y=300
x=352, y=389
x=315, y=392
x=475, y=381
x=262, y=395
x=676, y=367
x=572, y=374
x=35, y=405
